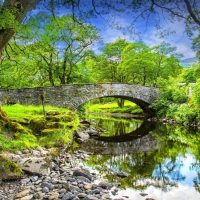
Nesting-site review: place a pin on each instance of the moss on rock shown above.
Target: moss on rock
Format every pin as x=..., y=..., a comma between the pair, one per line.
x=37, y=125
x=52, y=112
x=60, y=117
x=54, y=125
x=9, y=169
x=16, y=127
x=3, y=116
x=49, y=131
x=55, y=152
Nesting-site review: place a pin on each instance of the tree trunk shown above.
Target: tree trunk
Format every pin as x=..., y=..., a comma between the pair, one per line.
x=120, y=102
x=23, y=6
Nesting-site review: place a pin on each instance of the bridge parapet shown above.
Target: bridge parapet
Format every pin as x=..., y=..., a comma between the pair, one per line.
x=73, y=96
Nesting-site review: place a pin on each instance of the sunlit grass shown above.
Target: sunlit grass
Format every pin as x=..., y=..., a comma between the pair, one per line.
x=129, y=107
x=20, y=111
x=12, y=141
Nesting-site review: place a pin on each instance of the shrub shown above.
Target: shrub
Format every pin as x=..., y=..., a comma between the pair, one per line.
x=185, y=114
x=161, y=106
x=171, y=110
x=179, y=96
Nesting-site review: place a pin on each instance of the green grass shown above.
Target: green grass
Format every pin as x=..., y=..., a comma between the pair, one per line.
x=19, y=111
x=129, y=107
x=18, y=140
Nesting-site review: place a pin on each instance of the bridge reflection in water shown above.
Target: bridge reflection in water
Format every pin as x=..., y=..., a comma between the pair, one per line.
x=136, y=141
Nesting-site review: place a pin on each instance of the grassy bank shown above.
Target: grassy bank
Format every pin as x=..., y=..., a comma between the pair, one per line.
x=129, y=107
x=26, y=127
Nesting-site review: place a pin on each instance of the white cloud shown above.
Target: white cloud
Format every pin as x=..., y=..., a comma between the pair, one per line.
x=148, y=33
x=178, y=39
x=182, y=192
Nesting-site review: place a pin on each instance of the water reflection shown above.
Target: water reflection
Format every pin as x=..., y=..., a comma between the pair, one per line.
x=121, y=135
x=121, y=130
x=169, y=167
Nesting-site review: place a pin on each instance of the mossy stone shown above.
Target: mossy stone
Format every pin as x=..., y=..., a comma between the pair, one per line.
x=9, y=169
x=70, y=124
x=49, y=131
x=16, y=127
x=52, y=112
x=51, y=125
x=3, y=116
x=60, y=118
x=37, y=125
x=55, y=152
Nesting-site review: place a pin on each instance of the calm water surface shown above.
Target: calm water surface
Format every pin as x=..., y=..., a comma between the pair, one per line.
x=161, y=161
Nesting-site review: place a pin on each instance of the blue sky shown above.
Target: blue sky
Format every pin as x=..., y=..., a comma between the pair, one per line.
x=148, y=33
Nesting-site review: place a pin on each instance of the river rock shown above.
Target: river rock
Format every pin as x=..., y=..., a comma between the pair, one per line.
x=122, y=174
x=105, y=185
x=9, y=169
x=74, y=189
x=23, y=193
x=83, y=135
x=68, y=196
x=85, y=173
x=36, y=166
x=92, y=132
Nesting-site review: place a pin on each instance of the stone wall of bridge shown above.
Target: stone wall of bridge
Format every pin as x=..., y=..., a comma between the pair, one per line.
x=73, y=96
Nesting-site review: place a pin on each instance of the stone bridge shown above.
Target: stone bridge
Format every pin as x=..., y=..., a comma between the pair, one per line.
x=73, y=96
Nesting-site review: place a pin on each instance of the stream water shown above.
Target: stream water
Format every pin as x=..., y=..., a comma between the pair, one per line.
x=161, y=161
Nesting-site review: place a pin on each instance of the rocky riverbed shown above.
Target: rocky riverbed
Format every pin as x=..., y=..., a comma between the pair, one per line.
x=47, y=177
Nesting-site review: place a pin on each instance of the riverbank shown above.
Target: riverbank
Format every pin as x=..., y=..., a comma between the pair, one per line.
x=124, y=115
x=53, y=174
x=64, y=178
x=174, y=122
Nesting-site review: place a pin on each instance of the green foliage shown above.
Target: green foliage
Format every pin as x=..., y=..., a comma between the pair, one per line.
x=185, y=114
x=8, y=19
x=179, y=96
x=171, y=110
x=161, y=106
x=195, y=98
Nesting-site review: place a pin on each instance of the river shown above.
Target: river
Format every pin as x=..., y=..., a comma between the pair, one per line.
x=160, y=161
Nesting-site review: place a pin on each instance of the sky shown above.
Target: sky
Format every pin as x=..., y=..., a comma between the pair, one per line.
x=147, y=32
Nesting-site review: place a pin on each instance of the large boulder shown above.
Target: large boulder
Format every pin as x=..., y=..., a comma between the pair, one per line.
x=16, y=127
x=36, y=166
x=37, y=125
x=9, y=169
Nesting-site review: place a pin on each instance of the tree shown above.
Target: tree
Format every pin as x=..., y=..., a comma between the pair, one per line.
x=12, y=13
x=58, y=44
x=166, y=61
x=137, y=66
x=105, y=65
x=187, y=11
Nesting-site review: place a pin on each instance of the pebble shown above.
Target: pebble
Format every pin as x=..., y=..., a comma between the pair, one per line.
x=67, y=181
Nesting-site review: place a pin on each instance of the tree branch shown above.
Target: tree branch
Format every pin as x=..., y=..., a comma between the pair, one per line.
x=171, y=11
x=189, y=8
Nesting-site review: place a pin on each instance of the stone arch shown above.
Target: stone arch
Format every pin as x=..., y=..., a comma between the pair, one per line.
x=144, y=105
x=141, y=95
x=72, y=96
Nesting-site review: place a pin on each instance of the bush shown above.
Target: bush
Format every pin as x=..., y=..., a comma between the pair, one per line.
x=161, y=106
x=171, y=110
x=179, y=96
x=185, y=114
